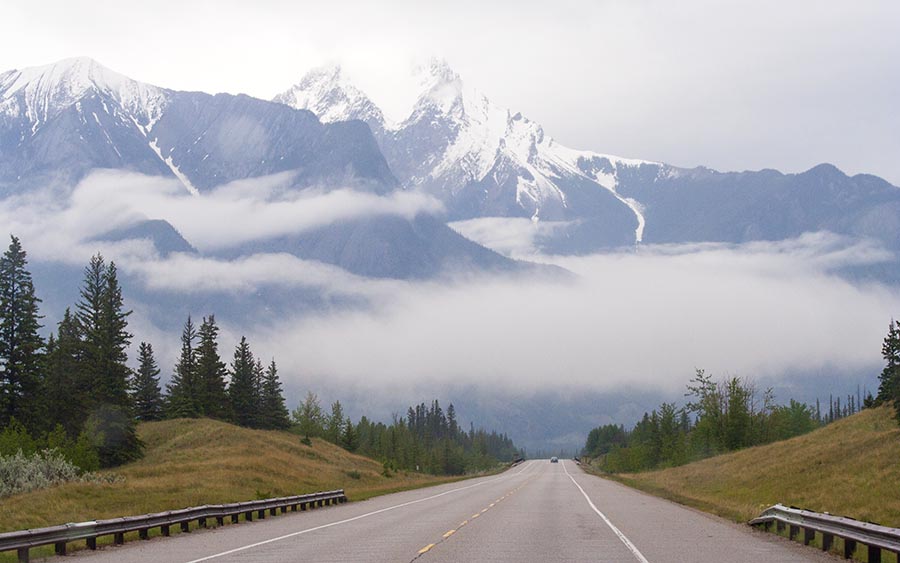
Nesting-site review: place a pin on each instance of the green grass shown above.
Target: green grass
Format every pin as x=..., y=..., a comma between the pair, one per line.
x=848, y=468
x=192, y=462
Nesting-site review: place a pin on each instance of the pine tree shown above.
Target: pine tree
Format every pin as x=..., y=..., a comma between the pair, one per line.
x=66, y=392
x=146, y=396
x=20, y=344
x=242, y=390
x=183, y=394
x=273, y=413
x=258, y=375
x=309, y=417
x=349, y=436
x=103, y=323
x=211, y=372
x=334, y=425
x=889, y=388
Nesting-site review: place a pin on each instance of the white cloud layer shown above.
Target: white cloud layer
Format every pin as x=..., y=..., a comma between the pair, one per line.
x=643, y=319
x=637, y=320
x=65, y=227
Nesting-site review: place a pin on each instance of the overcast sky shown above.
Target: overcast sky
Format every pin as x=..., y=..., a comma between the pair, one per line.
x=736, y=84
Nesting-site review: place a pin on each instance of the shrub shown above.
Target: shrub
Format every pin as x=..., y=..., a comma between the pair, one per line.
x=21, y=473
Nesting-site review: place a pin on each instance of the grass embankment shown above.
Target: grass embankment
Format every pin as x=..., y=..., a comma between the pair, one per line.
x=202, y=461
x=848, y=468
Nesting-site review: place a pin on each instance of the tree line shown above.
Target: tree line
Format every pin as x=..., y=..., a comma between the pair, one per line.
x=75, y=392
x=727, y=415
x=427, y=439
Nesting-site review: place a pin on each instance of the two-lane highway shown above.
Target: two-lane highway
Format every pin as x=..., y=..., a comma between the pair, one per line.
x=538, y=511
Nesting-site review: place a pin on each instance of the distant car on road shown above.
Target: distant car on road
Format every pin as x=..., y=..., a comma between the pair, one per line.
x=554, y=459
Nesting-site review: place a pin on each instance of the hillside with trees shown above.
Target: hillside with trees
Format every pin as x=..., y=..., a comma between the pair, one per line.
x=74, y=393
x=729, y=415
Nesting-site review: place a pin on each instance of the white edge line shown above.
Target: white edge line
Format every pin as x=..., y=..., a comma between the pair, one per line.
x=640, y=556
x=361, y=516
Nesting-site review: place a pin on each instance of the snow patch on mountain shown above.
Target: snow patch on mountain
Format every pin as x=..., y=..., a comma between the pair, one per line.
x=174, y=168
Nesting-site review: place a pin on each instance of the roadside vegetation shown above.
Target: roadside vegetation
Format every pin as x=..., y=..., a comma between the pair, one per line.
x=729, y=415
x=190, y=462
x=70, y=404
x=848, y=468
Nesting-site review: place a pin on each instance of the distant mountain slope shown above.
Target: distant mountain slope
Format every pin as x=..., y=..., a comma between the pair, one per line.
x=485, y=161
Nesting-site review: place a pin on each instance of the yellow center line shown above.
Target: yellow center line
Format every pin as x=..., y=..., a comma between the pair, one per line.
x=484, y=510
x=426, y=548
x=461, y=524
x=450, y=533
x=474, y=516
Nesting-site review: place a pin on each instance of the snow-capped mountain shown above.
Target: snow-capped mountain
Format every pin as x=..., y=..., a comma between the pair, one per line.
x=39, y=94
x=486, y=161
x=59, y=121
x=481, y=159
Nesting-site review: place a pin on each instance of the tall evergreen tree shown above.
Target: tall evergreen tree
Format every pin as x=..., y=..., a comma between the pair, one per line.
x=242, y=390
x=146, y=395
x=334, y=424
x=349, y=437
x=889, y=388
x=66, y=392
x=104, y=326
x=273, y=414
x=211, y=371
x=103, y=323
x=259, y=373
x=183, y=395
x=20, y=344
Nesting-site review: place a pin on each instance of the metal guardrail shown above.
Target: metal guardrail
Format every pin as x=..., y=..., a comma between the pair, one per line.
x=59, y=536
x=875, y=537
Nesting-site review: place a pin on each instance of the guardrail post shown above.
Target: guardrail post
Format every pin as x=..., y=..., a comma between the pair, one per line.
x=164, y=530
x=143, y=534
x=793, y=531
x=185, y=527
x=849, y=548
x=303, y=507
x=293, y=508
x=118, y=538
x=220, y=520
x=779, y=526
x=273, y=511
x=248, y=516
x=23, y=554
x=201, y=522
x=874, y=554
x=808, y=536
x=827, y=542
x=261, y=514
x=92, y=543
x=60, y=547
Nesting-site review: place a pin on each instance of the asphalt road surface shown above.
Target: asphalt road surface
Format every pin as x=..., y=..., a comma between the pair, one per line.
x=538, y=511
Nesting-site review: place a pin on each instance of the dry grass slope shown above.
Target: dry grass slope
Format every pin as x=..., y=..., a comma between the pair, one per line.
x=848, y=468
x=195, y=462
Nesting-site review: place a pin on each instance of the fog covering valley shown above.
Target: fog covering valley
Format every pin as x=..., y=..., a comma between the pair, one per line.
x=543, y=354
